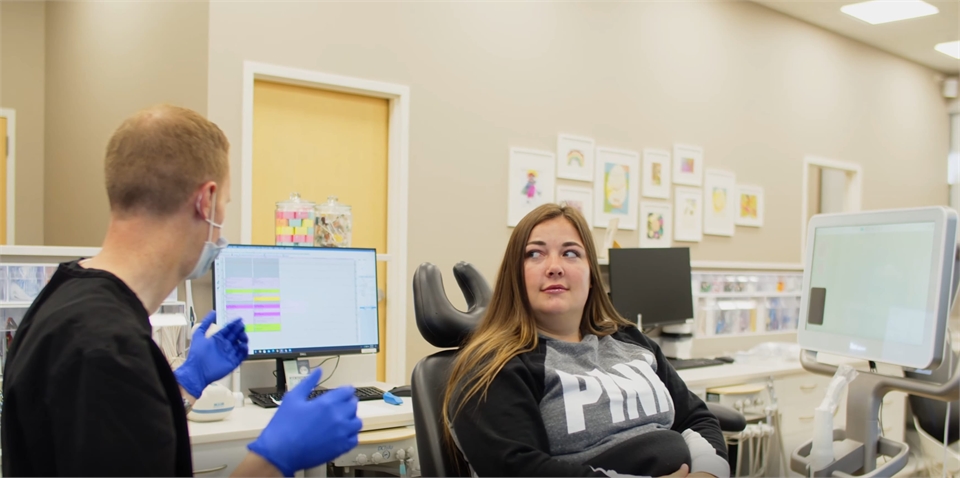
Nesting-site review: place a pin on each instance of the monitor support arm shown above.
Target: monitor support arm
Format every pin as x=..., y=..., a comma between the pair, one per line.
x=857, y=447
x=956, y=279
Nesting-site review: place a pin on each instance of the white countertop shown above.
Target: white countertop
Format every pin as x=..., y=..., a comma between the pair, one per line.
x=246, y=423
x=719, y=375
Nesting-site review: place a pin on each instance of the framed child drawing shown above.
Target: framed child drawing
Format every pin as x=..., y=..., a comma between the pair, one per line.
x=656, y=224
x=719, y=196
x=574, y=157
x=656, y=173
x=579, y=198
x=687, y=165
x=617, y=186
x=750, y=206
x=531, y=182
x=688, y=215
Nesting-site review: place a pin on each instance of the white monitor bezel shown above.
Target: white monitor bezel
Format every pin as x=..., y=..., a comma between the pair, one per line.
x=930, y=350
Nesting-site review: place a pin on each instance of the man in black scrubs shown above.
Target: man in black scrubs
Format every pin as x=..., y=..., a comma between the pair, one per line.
x=86, y=390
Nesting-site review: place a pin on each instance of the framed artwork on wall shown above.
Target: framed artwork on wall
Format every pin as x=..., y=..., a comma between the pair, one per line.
x=616, y=187
x=688, y=215
x=656, y=224
x=687, y=165
x=577, y=197
x=719, y=198
x=750, y=206
x=574, y=157
x=531, y=182
x=656, y=174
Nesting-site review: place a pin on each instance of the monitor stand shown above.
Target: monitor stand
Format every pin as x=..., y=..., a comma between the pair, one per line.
x=281, y=386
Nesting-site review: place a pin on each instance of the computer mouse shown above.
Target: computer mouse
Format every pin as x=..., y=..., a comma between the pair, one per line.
x=402, y=391
x=725, y=359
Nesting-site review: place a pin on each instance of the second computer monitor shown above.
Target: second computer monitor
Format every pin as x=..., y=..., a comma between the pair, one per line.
x=652, y=285
x=878, y=285
x=299, y=301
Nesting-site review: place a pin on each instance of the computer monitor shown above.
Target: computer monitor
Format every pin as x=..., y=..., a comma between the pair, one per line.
x=299, y=301
x=877, y=285
x=651, y=287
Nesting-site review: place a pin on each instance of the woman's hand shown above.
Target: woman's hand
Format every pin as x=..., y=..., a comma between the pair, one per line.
x=683, y=472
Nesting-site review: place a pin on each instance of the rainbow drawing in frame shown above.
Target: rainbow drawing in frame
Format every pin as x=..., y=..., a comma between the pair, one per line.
x=531, y=182
x=575, y=157
x=687, y=165
x=749, y=206
x=617, y=186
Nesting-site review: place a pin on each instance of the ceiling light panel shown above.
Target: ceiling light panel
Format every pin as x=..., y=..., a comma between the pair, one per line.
x=951, y=48
x=876, y=12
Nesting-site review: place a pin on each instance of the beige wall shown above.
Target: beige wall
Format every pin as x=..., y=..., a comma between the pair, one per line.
x=105, y=61
x=22, y=79
x=756, y=89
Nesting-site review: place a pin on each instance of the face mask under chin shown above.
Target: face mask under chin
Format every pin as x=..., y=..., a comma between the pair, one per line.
x=207, y=256
x=210, y=249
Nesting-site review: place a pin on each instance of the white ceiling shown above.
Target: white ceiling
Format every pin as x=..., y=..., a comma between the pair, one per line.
x=912, y=39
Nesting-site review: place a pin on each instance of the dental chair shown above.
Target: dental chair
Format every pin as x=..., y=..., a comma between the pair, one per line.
x=444, y=326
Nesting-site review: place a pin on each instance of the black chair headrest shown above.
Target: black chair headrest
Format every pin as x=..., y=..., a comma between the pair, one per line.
x=440, y=323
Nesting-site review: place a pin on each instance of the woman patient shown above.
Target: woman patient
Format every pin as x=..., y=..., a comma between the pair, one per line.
x=553, y=382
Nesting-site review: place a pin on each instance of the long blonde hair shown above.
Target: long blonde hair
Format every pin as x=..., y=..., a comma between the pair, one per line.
x=508, y=328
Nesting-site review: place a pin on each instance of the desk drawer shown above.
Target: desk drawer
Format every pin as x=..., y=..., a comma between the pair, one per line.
x=218, y=459
x=804, y=389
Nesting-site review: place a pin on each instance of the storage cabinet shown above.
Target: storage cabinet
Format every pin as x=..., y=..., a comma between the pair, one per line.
x=24, y=271
x=745, y=302
x=218, y=458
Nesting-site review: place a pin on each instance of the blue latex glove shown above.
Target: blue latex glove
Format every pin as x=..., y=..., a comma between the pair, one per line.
x=307, y=433
x=212, y=358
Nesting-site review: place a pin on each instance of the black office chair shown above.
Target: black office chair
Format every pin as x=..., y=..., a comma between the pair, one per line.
x=444, y=326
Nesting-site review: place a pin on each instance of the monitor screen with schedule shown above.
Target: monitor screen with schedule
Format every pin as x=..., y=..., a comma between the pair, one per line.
x=877, y=285
x=299, y=301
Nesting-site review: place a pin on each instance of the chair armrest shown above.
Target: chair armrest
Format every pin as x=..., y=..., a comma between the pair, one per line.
x=730, y=419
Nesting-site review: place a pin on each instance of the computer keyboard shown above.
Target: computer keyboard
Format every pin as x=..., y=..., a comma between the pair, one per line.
x=682, y=364
x=272, y=400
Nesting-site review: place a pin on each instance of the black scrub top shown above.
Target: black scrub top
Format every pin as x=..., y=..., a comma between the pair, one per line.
x=86, y=390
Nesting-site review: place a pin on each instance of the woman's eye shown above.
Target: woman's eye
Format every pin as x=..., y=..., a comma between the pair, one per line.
x=533, y=253
x=571, y=254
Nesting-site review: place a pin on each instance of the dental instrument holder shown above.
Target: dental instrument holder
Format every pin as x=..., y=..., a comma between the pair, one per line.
x=856, y=449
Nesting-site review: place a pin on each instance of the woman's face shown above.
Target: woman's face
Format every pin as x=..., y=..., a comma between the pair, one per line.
x=556, y=273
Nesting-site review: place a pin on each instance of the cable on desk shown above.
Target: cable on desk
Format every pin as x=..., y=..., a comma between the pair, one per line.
x=334, y=368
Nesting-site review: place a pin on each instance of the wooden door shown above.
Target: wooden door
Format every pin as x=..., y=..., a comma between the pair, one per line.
x=3, y=180
x=323, y=143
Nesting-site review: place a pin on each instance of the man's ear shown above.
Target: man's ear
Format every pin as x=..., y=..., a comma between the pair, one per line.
x=205, y=197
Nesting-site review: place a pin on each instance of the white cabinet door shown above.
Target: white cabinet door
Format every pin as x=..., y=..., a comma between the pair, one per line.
x=218, y=459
